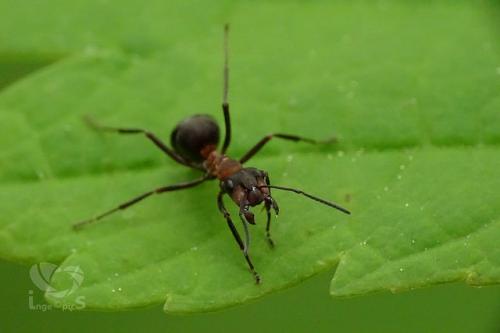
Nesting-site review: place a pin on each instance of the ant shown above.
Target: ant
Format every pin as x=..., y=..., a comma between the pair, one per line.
x=194, y=141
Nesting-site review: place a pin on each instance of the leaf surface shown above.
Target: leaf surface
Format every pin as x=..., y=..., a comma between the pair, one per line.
x=414, y=99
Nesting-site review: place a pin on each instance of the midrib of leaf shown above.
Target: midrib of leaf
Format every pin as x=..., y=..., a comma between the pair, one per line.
x=427, y=139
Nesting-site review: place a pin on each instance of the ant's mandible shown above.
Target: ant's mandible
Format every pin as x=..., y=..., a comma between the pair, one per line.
x=194, y=143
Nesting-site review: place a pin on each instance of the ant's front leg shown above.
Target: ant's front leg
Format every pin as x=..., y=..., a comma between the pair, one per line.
x=234, y=231
x=269, y=204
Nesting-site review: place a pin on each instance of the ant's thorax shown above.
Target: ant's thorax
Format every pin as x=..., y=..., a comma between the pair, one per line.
x=220, y=165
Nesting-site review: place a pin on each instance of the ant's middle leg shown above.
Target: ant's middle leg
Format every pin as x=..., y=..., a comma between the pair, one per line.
x=288, y=137
x=141, y=197
x=152, y=137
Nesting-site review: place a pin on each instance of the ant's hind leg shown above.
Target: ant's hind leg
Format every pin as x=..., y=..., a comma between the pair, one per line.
x=149, y=135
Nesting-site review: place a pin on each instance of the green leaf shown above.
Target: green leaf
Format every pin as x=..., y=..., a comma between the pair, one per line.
x=413, y=98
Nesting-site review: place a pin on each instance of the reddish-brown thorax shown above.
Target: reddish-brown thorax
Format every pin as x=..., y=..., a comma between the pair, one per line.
x=219, y=165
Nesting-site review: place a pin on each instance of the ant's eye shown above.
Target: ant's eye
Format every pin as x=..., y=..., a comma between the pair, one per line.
x=228, y=184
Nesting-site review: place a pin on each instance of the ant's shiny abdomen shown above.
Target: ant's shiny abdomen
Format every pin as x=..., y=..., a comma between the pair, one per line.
x=195, y=137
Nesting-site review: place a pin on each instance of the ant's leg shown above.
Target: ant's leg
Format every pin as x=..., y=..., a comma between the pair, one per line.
x=289, y=137
x=243, y=247
x=268, y=204
x=227, y=122
x=176, y=157
x=268, y=224
x=225, y=104
x=141, y=197
x=244, y=213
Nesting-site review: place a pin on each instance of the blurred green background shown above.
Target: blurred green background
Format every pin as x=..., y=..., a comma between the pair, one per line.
x=304, y=308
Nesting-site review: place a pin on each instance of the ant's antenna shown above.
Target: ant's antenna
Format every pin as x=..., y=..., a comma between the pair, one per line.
x=323, y=201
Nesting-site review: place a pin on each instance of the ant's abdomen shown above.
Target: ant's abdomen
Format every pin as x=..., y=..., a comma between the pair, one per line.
x=195, y=137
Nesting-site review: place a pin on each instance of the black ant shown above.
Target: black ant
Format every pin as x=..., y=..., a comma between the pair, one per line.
x=194, y=143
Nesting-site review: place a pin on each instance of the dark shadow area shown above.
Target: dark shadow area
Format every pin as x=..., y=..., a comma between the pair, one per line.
x=493, y=7
x=14, y=67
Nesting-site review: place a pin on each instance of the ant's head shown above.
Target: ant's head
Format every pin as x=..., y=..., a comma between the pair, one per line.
x=247, y=187
x=250, y=187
